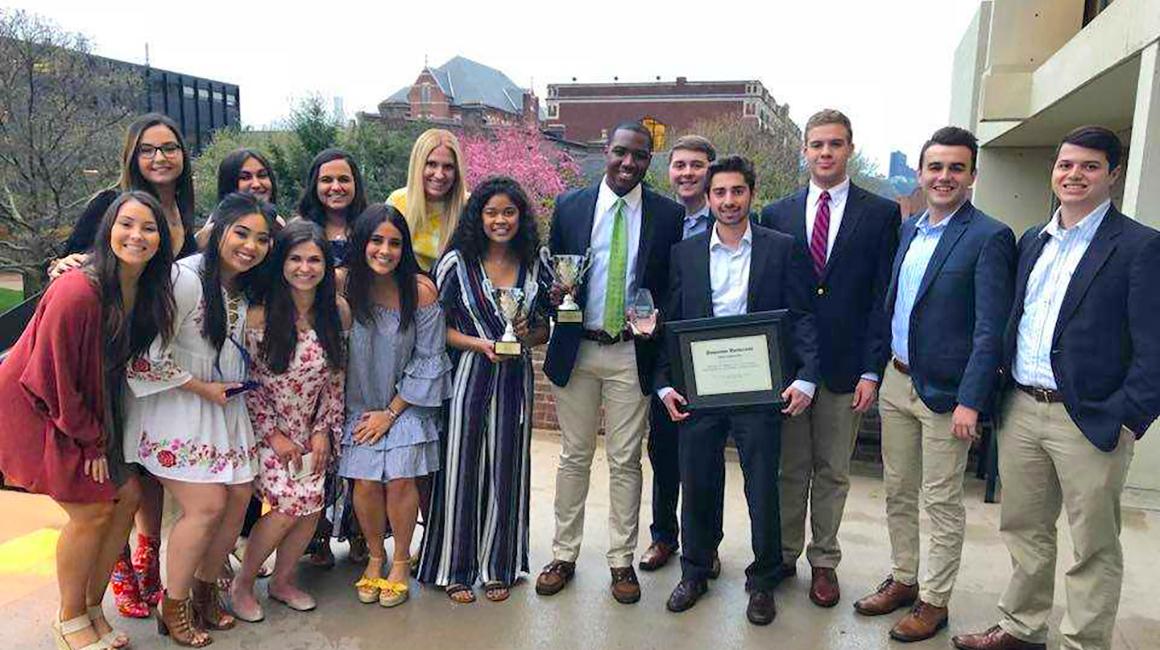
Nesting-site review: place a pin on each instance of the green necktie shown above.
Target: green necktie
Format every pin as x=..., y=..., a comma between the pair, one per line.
x=617, y=270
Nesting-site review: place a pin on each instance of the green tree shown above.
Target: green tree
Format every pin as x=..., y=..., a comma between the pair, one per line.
x=63, y=113
x=776, y=157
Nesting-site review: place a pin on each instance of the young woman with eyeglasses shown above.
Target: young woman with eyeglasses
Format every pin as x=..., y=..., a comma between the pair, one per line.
x=192, y=429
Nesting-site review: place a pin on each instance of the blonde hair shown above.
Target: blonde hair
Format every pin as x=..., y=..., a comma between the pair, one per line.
x=416, y=212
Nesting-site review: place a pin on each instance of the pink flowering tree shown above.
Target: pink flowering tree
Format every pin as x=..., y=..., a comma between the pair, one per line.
x=542, y=169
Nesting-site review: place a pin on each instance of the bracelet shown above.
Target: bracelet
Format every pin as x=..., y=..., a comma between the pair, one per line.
x=392, y=413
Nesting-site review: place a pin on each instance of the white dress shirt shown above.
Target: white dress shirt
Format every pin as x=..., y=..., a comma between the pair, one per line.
x=602, y=223
x=729, y=287
x=838, y=195
x=1046, y=286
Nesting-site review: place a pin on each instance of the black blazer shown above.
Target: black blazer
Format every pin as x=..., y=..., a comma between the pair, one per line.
x=571, y=234
x=960, y=313
x=853, y=334
x=1105, y=351
x=779, y=274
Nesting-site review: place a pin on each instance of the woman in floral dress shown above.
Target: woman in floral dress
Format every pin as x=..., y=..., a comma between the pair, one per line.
x=297, y=410
x=187, y=423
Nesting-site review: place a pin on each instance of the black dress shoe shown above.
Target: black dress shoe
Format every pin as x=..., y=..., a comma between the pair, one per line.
x=715, y=567
x=685, y=595
x=761, y=610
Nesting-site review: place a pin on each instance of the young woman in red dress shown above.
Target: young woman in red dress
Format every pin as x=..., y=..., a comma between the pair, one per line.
x=61, y=386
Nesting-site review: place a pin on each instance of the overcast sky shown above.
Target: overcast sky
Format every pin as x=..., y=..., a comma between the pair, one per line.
x=886, y=63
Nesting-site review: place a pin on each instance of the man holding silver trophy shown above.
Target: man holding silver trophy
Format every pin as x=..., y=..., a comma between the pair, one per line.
x=610, y=244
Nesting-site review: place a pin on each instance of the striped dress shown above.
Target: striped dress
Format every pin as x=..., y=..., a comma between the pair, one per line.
x=478, y=526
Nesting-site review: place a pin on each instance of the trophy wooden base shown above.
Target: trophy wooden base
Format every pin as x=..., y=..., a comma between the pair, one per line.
x=569, y=316
x=509, y=348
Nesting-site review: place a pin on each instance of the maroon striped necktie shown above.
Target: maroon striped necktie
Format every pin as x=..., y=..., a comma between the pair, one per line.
x=821, y=234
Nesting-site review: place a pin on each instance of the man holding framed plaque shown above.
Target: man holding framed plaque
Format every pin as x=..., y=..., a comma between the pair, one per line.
x=950, y=293
x=735, y=274
x=595, y=360
x=851, y=235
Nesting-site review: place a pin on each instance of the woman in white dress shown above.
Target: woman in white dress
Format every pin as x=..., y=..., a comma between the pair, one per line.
x=187, y=423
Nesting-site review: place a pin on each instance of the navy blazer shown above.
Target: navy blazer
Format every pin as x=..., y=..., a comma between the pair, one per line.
x=779, y=271
x=960, y=313
x=853, y=334
x=1105, y=350
x=571, y=234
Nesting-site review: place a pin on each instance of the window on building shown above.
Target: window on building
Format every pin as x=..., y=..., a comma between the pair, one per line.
x=553, y=110
x=657, y=129
x=748, y=108
x=231, y=100
x=187, y=91
x=425, y=94
x=203, y=93
x=217, y=95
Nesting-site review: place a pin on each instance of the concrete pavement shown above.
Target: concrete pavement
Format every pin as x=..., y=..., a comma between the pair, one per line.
x=584, y=615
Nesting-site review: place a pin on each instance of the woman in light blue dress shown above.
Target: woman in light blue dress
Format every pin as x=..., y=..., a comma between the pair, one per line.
x=398, y=375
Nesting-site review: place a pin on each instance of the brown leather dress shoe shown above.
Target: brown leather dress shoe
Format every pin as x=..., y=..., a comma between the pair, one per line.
x=625, y=588
x=995, y=638
x=656, y=556
x=761, y=609
x=824, y=590
x=923, y=622
x=889, y=596
x=686, y=594
x=555, y=577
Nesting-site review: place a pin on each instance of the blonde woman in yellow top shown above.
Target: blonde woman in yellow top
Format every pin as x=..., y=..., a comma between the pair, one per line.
x=435, y=194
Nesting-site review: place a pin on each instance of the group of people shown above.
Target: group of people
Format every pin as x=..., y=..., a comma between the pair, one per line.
x=340, y=366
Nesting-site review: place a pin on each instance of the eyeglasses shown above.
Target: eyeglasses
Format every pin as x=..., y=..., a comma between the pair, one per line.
x=150, y=151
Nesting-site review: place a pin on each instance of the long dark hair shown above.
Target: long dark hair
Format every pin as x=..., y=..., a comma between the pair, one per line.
x=215, y=325
x=309, y=207
x=132, y=178
x=280, y=339
x=230, y=169
x=129, y=335
x=470, y=239
x=358, y=283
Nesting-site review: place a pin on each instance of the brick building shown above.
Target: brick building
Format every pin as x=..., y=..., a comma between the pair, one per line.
x=583, y=111
x=461, y=93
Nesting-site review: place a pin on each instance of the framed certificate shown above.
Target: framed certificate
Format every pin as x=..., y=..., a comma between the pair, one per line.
x=731, y=362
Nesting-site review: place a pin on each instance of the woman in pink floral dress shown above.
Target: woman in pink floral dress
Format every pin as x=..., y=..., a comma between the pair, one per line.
x=295, y=341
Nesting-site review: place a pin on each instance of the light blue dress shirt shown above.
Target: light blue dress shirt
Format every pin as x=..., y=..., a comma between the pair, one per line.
x=926, y=238
x=697, y=222
x=1046, y=286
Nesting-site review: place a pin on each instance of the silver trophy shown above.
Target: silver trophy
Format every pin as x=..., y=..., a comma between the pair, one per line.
x=568, y=272
x=510, y=304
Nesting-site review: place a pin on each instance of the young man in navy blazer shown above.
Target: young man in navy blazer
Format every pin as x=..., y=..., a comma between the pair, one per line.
x=736, y=268
x=689, y=160
x=628, y=229
x=947, y=305
x=851, y=235
x=1082, y=350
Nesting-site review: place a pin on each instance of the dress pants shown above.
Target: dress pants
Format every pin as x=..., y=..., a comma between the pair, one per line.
x=921, y=456
x=604, y=375
x=758, y=439
x=664, y=445
x=816, y=448
x=1047, y=465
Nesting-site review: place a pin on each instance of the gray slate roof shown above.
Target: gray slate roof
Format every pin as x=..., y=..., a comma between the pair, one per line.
x=468, y=82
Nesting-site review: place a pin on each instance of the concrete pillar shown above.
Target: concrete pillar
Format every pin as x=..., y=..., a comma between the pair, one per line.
x=1142, y=201
x=1014, y=185
x=1024, y=34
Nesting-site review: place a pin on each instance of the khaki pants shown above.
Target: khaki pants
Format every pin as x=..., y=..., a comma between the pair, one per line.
x=603, y=375
x=816, y=447
x=919, y=455
x=1047, y=464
